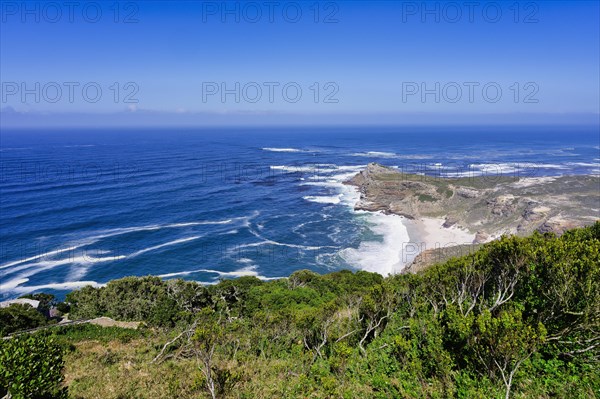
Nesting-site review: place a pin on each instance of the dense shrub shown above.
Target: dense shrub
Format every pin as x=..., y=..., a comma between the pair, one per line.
x=518, y=318
x=18, y=317
x=31, y=368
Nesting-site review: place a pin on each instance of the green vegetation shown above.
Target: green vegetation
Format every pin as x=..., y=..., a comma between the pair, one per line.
x=31, y=368
x=518, y=318
x=17, y=317
x=426, y=198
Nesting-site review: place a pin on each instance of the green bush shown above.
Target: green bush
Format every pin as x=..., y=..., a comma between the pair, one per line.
x=517, y=318
x=18, y=317
x=31, y=368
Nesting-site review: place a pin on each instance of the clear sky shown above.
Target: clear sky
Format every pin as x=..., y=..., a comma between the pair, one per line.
x=226, y=62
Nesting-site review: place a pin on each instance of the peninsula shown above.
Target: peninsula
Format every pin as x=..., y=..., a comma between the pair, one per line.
x=461, y=213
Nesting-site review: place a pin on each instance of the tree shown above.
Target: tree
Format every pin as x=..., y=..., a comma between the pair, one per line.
x=46, y=301
x=18, y=317
x=504, y=342
x=210, y=333
x=375, y=309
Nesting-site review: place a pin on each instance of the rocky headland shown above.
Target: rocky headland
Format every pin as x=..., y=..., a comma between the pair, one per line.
x=486, y=207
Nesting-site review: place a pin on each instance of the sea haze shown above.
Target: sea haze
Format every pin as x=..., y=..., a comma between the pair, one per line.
x=86, y=206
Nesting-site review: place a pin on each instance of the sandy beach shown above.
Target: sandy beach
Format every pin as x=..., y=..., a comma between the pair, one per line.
x=429, y=233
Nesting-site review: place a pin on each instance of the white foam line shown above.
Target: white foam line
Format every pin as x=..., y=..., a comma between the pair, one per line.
x=12, y=284
x=321, y=199
x=588, y=164
x=51, y=253
x=384, y=257
x=266, y=241
x=377, y=154
x=246, y=271
x=126, y=230
x=47, y=265
x=166, y=244
x=69, y=285
x=277, y=149
x=270, y=242
x=119, y=231
x=296, y=169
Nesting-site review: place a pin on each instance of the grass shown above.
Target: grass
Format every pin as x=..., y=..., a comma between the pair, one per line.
x=86, y=332
x=125, y=370
x=426, y=198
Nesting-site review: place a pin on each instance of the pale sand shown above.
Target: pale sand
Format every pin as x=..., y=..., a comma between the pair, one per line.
x=429, y=233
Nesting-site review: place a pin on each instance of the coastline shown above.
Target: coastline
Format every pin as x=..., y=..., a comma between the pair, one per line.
x=447, y=217
x=430, y=233
x=404, y=238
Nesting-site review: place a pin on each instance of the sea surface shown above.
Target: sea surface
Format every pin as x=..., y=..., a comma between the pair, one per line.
x=83, y=207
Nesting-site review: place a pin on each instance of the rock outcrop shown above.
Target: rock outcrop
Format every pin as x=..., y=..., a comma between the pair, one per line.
x=486, y=206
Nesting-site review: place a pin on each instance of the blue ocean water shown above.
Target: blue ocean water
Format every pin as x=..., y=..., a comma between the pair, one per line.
x=86, y=206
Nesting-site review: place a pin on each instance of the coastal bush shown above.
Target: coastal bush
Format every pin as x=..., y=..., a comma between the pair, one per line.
x=148, y=299
x=18, y=317
x=519, y=317
x=31, y=368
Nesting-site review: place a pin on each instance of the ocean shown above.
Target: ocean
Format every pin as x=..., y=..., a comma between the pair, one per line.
x=84, y=206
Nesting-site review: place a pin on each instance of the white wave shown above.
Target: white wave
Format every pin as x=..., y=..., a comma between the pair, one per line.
x=266, y=241
x=278, y=149
x=38, y=267
x=36, y=257
x=498, y=169
x=585, y=164
x=326, y=165
x=281, y=244
x=81, y=259
x=334, y=199
x=166, y=244
x=327, y=183
x=297, y=169
x=68, y=285
x=177, y=274
x=116, y=232
x=387, y=256
x=355, y=168
x=245, y=271
x=377, y=154
x=12, y=284
x=502, y=166
x=216, y=222
x=153, y=227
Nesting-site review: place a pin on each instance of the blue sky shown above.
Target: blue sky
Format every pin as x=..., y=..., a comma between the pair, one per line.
x=351, y=59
